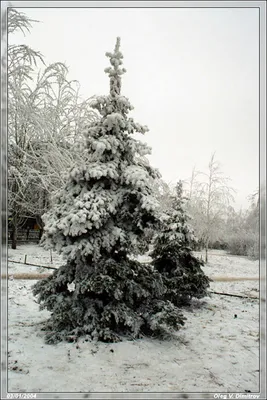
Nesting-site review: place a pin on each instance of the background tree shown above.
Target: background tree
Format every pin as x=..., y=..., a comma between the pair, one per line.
x=164, y=194
x=58, y=147
x=209, y=203
x=46, y=119
x=173, y=258
x=193, y=184
x=97, y=222
x=21, y=61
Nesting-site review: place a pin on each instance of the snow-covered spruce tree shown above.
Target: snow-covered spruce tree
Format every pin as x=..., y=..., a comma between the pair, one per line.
x=173, y=258
x=97, y=221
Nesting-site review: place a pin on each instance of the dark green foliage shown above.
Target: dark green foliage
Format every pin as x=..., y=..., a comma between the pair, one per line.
x=173, y=258
x=181, y=273
x=112, y=300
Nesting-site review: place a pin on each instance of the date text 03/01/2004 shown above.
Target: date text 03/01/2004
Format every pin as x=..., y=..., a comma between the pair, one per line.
x=21, y=396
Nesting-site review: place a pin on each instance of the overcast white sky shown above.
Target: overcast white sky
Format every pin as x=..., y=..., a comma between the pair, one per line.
x=192, y=76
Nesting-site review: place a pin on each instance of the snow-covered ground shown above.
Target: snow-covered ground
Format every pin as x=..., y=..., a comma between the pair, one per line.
x=216, y=351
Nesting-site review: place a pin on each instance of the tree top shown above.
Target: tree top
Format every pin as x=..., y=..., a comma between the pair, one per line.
x=114, y=72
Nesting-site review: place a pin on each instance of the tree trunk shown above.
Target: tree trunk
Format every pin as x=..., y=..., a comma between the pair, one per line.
x=41, y=226
x=206, y=251
x=40, y=234
x=14, y=233
x=44, y=205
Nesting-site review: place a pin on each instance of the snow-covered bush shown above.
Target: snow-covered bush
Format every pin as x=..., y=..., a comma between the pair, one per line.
x=244, y=243
x=98, y=220
x=243, y=238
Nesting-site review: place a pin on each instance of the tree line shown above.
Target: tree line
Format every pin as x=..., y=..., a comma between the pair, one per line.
x=216, y=223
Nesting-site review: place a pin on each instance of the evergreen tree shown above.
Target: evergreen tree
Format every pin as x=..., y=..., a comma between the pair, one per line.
x=98, y=220
x=173, y=258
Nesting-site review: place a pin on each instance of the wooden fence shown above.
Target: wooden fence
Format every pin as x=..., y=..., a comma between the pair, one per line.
x=24, y=236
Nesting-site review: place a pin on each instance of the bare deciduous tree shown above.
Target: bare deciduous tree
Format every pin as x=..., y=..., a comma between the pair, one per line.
x=208, y=202
x=46, y=121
